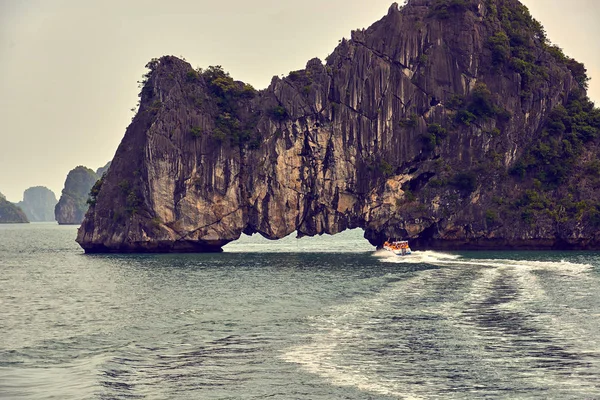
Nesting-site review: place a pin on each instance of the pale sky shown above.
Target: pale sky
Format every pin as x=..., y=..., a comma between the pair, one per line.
x=68, y=68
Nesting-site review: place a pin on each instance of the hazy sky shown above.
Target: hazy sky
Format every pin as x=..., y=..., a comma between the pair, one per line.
x=68, y=68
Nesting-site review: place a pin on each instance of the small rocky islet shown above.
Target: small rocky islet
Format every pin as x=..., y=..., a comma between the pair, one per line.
x=454, y=124
x=11, y=213
x=38, y=204
x=74, y=200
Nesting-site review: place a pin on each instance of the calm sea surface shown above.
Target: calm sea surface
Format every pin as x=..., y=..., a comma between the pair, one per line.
x=315, y=318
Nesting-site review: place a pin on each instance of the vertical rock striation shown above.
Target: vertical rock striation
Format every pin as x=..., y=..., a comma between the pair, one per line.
x=413, y=129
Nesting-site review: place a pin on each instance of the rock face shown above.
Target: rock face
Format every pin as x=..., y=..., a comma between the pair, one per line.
x=72, y=206
x=10, y=213
x=100, y=171
x=38, y=204
x=443, y=123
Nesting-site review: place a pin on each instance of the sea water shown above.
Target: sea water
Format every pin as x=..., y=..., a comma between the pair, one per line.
x=312, y=318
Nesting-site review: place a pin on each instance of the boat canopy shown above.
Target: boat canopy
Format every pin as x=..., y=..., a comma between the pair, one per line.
x=396, y=245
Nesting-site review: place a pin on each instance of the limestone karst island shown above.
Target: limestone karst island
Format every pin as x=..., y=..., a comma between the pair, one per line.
x=451, y=123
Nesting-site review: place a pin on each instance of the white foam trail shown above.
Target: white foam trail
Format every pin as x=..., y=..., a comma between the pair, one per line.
x=529, y=297
x=346, y=326
x=384, y=254
x=436, y=258
x=317, y=359
x=417, y=257
x=340, y=331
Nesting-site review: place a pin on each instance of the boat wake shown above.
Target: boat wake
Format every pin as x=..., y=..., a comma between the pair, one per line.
x=443, y=259
x=417, y=257
x=465, y=320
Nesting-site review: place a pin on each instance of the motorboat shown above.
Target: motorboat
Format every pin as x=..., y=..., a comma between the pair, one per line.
x=400, y=247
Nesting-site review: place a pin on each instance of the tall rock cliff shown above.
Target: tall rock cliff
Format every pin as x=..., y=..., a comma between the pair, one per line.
x=10, y=213
x=442, y=123
x=72, y=206
x=38, y=204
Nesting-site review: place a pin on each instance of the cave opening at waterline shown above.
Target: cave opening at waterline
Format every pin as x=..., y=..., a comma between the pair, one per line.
x=350, y=240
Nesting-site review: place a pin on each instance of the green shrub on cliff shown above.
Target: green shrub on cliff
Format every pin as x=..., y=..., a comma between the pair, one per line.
x=442, y=9
x=465, y=181
x=435, y=134
x=191, y=76
x=196, y=131
x=248, y=91
x=385, y=168
x=227, y=90
x=133, y=200
x=295, y=75
x=566, y=132
x=411, y=122
x=579, y=72
x=516, y=45
x=491, y=216
x=455, y=102
x=229, y=97
x=500, y=46
x=95, y=190
x=229, y=126
x=479, y=105
x=278, y=113
x=562, y=177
